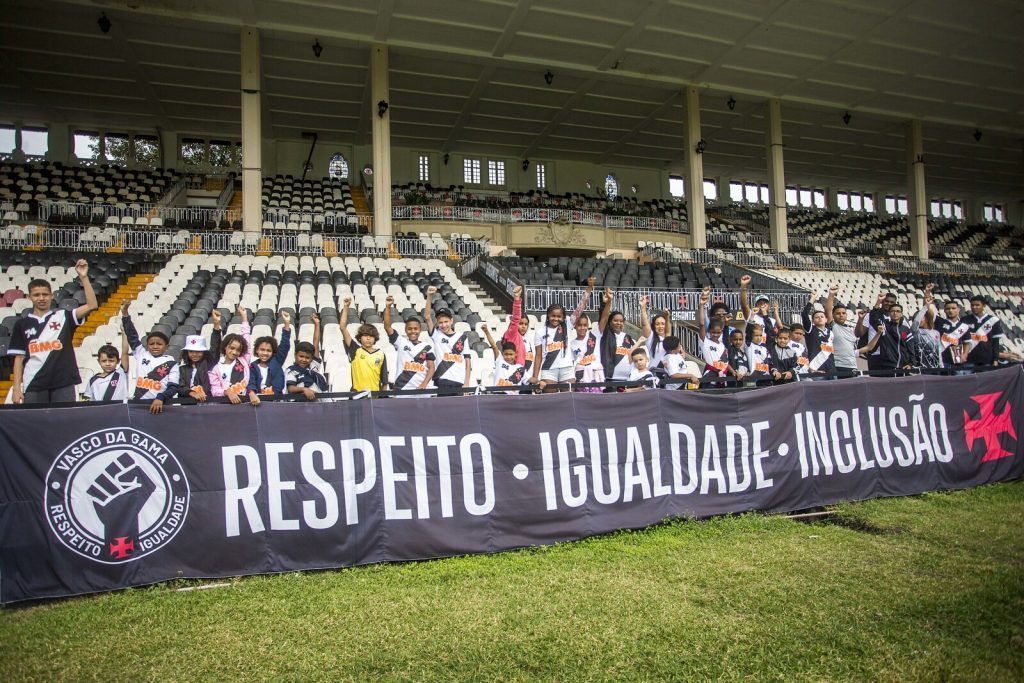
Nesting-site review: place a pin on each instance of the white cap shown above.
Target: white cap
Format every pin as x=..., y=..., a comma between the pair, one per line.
x=196, y=342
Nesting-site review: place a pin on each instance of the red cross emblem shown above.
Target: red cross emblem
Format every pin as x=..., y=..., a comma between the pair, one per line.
x=122, y=547
x=989, y=426
x=162, y=370
x=55, y=325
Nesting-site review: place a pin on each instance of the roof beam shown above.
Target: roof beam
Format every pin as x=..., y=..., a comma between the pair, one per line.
x=470, y=106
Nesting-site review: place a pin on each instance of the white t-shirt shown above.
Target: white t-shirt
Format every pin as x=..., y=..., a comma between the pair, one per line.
x=657, y=354
x=757, y=358
x=116, y=382
x=714, y=355
x=675, y=364
x=647, y=377
x=622, y=365
x=509, y=374
x=412, y=360
x=451, y=351
x=587, y=350
x=554, y=343
x=801, y=356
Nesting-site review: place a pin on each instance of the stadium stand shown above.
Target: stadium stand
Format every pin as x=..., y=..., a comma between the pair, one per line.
x=324, y=205
x=94, y=195
x=179, y=300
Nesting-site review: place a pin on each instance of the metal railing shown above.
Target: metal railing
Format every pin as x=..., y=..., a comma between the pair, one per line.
x=536, y=215
x=682, y=303
x=844, y=263
x=77, y=213
x=118, y=238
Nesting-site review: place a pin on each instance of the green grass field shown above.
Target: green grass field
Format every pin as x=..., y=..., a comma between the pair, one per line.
x=926, y=588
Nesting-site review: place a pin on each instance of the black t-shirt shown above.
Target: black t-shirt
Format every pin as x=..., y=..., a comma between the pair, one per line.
x=47, y=345
x=960, y=331
x=986, y=337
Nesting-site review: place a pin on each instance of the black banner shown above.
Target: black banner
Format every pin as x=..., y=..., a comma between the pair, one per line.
x=96, y=498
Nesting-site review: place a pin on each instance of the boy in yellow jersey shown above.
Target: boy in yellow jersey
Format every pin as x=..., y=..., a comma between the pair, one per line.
x=369, y=368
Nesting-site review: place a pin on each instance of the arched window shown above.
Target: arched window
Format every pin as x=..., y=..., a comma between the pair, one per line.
x=338, y=168
x=611, y=187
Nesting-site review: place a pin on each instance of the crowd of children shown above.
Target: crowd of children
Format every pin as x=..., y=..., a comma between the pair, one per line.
x=567, y=351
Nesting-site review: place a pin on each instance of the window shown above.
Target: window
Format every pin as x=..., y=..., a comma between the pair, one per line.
x=901, y=206
x=819, y=198
x=147, y=150
x=792, y=198
x=936, y=208
x=993, y=212
x=34, y=141
x=471, y=171
x=337, y=167
x=710, y=189
x=750, y=192
x=117, y=148
x=763, y=193
x=87, y=144
x=542, y=176
x=869, y=203
x=496, y=173
x=193, y=150
x=6, y=139
x=843, y=201
x=676, y=187
x=225, y=154
x=422, y=163
x=856, y=203
x=805, y=197
x=735, y=191
x=611, y=186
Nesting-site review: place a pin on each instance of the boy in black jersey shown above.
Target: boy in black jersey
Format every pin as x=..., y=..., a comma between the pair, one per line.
x=45, y=368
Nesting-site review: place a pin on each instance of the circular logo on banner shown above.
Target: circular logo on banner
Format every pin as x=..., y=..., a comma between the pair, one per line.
x=116, y=495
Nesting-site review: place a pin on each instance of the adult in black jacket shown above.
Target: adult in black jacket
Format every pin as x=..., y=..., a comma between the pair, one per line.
x=895, y=350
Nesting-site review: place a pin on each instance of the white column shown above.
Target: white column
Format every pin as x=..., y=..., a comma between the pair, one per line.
x=381, y=140
x=168, y=149
x=776, y=177
x=831, y=198
x=879, y=196
x=252, y=152
x=693, y=169
x=17, y=154
x=58, y=143
x=917, y=197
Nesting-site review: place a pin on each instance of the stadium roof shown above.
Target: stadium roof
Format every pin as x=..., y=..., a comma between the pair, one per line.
x=469, y=77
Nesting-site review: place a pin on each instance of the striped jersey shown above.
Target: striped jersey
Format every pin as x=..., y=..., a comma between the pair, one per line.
x=47, y=345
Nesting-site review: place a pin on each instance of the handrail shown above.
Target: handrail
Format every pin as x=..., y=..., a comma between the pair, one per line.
x=536, y=215
x=164, y=240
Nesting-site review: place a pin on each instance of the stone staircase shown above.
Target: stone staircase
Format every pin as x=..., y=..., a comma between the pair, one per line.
x=493, y=306
x=129, y=291
x=359, y=202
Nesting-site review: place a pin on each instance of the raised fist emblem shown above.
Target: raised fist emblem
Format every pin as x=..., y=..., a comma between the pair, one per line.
x=119, y=494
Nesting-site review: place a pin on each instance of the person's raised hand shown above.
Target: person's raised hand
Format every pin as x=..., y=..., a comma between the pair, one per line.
x=517, y=293
x=745, y=281
x=82, y=267
x=389, y=301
